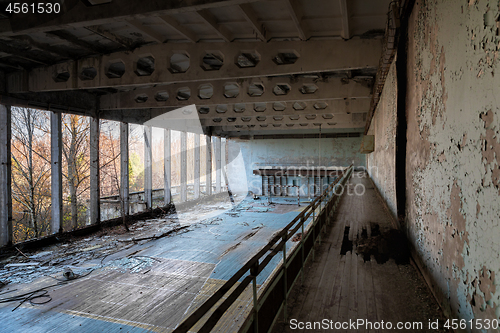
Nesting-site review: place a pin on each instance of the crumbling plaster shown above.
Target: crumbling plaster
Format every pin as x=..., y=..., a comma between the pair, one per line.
x=453, y=152
x=381, y=162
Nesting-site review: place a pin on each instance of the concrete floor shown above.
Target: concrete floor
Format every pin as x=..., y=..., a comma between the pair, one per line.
x=343, y=287
x=153, y=285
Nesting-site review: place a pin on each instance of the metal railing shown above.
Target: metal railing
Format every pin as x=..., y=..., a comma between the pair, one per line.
x=274, y=295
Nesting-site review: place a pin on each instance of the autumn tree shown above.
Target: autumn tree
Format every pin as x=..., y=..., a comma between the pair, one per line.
x=109, y=158
x=76, y=165
x=30, y=173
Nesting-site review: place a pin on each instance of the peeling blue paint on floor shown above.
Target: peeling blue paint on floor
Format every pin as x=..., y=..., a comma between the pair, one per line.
x=224, y=242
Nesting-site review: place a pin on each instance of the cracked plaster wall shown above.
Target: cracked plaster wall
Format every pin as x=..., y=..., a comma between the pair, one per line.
x=453, y=152
x=381, y=162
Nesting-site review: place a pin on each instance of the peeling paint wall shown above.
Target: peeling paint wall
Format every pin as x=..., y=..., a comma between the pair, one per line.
x=453, y=152
x=381, y=162
x=303, y=153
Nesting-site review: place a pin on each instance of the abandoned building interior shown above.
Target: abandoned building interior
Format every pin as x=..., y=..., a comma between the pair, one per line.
x=250, y=165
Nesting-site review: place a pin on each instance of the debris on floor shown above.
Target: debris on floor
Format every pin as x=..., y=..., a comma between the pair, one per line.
x=80, y=255
x=383, y=246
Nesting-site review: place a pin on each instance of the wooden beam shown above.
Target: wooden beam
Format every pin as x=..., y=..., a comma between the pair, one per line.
x=251, y=18
x=181, y=30
x=221, y=30
x=297, y=17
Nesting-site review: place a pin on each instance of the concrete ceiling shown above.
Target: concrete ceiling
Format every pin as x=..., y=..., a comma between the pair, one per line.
x=251, y=67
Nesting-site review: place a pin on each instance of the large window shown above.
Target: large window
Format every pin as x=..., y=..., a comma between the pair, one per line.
x=75, y=170
x=31, y=173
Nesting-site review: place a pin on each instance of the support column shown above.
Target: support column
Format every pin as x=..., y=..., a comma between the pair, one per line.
x=56, y=172
x=148, y=167
x=124, y=175
x=196, y=166
x=223, y=164
x=209, y=165
x=5, y=177
x=183, y=166
x=218, y=177
x=308, y=186
x=95, y=208
x=167, y=167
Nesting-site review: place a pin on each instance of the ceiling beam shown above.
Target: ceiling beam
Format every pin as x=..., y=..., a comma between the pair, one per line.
x=304, y=125
x=336, y=55
x=6, y=48
x=185, y=33
x=124, y=42
x=297, y=16
x=76, y=14
x=291, y=134
x=75, y=102
x=344, y=12
x=146, y=30
x=251, y=18
x=64, y=35
x=295, y=91
x=211, y=20
x=335, y=107
x=11, y=66
x=273, y=120
x=43, y=46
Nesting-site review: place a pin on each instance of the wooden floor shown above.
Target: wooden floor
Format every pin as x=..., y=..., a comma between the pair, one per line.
x=345, y=287
x=123, y=295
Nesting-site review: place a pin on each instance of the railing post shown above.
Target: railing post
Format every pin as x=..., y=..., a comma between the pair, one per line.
x=302, y=221
x=320, y=218
x=254, y=272
x=285, y=288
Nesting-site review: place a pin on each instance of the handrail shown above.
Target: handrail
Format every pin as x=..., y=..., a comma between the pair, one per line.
x=273, y=247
